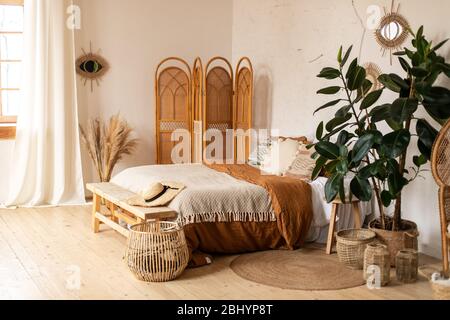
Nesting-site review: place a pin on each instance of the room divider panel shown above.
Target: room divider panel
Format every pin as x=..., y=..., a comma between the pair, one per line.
x=243, y=108
x=218, y=106
x=215, y=97
x=173, y=90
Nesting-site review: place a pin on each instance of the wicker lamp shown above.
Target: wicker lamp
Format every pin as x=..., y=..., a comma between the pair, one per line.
x=440, y=163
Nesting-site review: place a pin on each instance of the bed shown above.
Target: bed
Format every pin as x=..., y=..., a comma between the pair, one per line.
x=227, y=214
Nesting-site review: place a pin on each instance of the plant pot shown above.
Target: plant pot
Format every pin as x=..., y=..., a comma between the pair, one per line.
x=397, y=240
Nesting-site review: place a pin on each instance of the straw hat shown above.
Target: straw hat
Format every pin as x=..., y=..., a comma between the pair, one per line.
x=157, y=195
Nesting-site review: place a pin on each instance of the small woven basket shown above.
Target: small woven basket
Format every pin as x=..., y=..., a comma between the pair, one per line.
x=351, y=245
x=440, y=291
x=377, y=254
x=157, y=251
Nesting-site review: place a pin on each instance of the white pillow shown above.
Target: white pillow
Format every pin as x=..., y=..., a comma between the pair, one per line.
x=279, y=159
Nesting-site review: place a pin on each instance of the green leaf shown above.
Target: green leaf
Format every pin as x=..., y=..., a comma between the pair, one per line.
x=419, y=72
x=371, y=99
x=346, y=56
x=393, y=124
x=319, y=131
x=329, y=90
x=403, y=109
x=329, y=73
x=344, y=137
x=352, y=67
x=342, y=166
x=333, y=186
x=328, y=150
x=437, y=104
x=327, y=105
x=339, y=56
x=396, y=182
x=439, y=45
x=420, y=160
x=361, y=188
x=368, y=171
x=362, y=147
x=427, y=135
x=386, y=198
x=334, y=123
x=320, y=163
x=386, y=80
x=395, y=143
x=356, y=78
x=405, y=65
x=419, y=33
x=380, y=113
x=342, y=112
x=399, y=81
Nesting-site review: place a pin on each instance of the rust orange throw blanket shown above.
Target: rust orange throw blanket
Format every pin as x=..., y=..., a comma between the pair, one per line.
x=291, y=200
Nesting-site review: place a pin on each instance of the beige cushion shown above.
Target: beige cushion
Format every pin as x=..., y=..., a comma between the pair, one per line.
x=303, y=165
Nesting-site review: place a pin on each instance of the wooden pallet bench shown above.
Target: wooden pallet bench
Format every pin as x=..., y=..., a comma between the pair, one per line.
x=115, y=199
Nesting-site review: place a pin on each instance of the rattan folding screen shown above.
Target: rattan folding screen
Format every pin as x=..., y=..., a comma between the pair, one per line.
x=200, y=99
x=173, y=88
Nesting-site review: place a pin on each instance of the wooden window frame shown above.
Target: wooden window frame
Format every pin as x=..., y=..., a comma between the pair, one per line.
x=8, y=123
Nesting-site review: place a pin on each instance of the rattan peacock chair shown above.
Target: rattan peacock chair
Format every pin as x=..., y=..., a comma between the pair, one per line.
x=440, y=163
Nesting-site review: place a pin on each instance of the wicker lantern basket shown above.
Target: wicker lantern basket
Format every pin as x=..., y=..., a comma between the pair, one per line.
x=378, y=255
x=351, y=245
x=157, y=251
x=407, y=266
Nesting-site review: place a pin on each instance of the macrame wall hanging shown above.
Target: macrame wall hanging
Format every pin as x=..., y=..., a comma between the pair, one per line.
x=91, y=67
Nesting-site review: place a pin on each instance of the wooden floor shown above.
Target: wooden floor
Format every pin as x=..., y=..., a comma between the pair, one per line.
x=41, y=251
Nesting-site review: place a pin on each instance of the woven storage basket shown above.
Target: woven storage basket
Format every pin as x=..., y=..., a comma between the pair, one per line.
x=157, y=251
x=378, y=255
x=351, y=245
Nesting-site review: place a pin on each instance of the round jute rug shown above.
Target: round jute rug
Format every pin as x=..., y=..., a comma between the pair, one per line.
x=306, y=269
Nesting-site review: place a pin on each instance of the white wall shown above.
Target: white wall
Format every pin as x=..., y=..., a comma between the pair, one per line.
x=134, y=36
x=290, y=41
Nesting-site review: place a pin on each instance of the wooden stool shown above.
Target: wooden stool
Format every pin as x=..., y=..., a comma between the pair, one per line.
x=357, y=216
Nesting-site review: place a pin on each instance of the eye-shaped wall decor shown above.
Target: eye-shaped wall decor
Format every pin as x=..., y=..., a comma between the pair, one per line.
x=393, y=30
x=91, y=66
x=373, y=71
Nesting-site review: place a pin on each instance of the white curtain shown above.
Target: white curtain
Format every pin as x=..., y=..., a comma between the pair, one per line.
x=46, y=160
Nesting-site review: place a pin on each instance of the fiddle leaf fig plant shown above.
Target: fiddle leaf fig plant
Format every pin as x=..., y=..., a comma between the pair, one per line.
x=352, y=144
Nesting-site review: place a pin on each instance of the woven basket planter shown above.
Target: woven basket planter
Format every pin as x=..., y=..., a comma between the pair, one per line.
x=407, y=266
x=397, y=240
x=157, y=251
x=351, y=245
x=378, y=255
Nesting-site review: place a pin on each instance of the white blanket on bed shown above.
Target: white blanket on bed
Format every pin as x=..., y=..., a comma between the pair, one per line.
x=209, y=195
x=213, y=196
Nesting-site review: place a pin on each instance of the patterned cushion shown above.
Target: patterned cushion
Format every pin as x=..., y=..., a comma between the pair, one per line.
x=303, y=165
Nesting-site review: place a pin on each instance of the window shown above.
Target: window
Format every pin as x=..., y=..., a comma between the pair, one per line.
x=11, y=52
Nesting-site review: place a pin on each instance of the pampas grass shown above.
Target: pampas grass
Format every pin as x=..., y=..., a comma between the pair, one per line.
x=108, y=143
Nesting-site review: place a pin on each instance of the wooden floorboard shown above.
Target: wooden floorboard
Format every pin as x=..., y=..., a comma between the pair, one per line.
x=40, y=249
